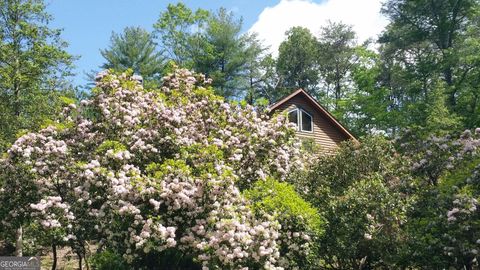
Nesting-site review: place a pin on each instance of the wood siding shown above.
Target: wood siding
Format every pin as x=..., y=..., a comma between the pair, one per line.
x=325, y=133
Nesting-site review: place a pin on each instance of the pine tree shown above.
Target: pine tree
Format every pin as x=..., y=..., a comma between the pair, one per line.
x=134, y=49
x=440, y=119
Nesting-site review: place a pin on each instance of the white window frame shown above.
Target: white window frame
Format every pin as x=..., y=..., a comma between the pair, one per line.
x=299, y=119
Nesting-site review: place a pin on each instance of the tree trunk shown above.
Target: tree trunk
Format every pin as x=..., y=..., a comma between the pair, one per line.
x=468, y=265
x=54, y=251
x=79, y=261
x=448, y=74
x=85, y=256
x=338, y=89
x=19, y=242
x=250, y=99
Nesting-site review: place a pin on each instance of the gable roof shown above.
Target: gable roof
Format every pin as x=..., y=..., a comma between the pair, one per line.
x=318, y=107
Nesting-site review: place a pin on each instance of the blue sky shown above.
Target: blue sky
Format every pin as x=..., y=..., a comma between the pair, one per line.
x=88, y=24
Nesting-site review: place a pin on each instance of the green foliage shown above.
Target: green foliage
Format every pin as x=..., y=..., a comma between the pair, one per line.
x=357, y=191
x=108, y=260
x=110, y=145
x=261, y=102
x=459, y=176
x=469, y=90
x=424, y=43
x=310, y=146
x=212, y=43
x=363, y=226
x=269, y=80
x=272, y=196
x=257, y=69
x=33, y=67
x=297, y=61
x=413, y=203
x=333, y=174
x=174, y=30
x=223, y=52
x=371, y=103
x=294, y=215
x=336, y=57
x=424, y=74
x=134, y=49
x=440, y=120
x=443, y=217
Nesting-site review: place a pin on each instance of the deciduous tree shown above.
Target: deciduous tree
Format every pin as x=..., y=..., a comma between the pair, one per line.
x=176, y=29
x=33, y=68
x=336, y=57
x=297, y=62
x=423, y=43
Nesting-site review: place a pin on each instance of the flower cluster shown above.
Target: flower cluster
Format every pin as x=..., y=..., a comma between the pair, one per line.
x=149, y=171
x=450, y=166
x=462, y=236
x=432, y=156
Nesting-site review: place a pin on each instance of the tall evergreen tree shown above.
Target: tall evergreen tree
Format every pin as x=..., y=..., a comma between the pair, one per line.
x=439, y=119
x=256, y=72
x=222, y=52
x=211, y=43
x=134, y=49
x=227, y=55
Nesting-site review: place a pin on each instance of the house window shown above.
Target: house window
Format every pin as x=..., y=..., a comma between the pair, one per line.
x=293, y=117
x=306, y=121
x=302, y=119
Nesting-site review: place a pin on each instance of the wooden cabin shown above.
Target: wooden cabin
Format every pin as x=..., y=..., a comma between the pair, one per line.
x=314, y=123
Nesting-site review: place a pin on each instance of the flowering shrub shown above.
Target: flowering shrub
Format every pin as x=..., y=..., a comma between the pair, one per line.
x=148, y=173
x=461, y=220
x=434, y=156
x=443, y=221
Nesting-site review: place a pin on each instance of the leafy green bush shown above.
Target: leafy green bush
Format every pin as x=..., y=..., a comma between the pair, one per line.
x=364, y=226
x=358, y=192
x=108, y=260
x=301, y=223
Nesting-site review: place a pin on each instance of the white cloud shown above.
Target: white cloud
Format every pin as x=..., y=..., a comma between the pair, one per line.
x=363, y=15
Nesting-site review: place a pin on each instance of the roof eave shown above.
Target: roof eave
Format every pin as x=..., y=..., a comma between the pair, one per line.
x=326, y=113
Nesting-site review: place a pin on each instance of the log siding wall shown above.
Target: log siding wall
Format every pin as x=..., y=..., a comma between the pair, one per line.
x=324, y=132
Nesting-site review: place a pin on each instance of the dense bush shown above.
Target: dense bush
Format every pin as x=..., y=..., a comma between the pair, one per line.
x=108, y=260
x=412, y=202
x=357, y=190
x=154, y=175
x=300, y=222
x=178, y=178
x=444, y=216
